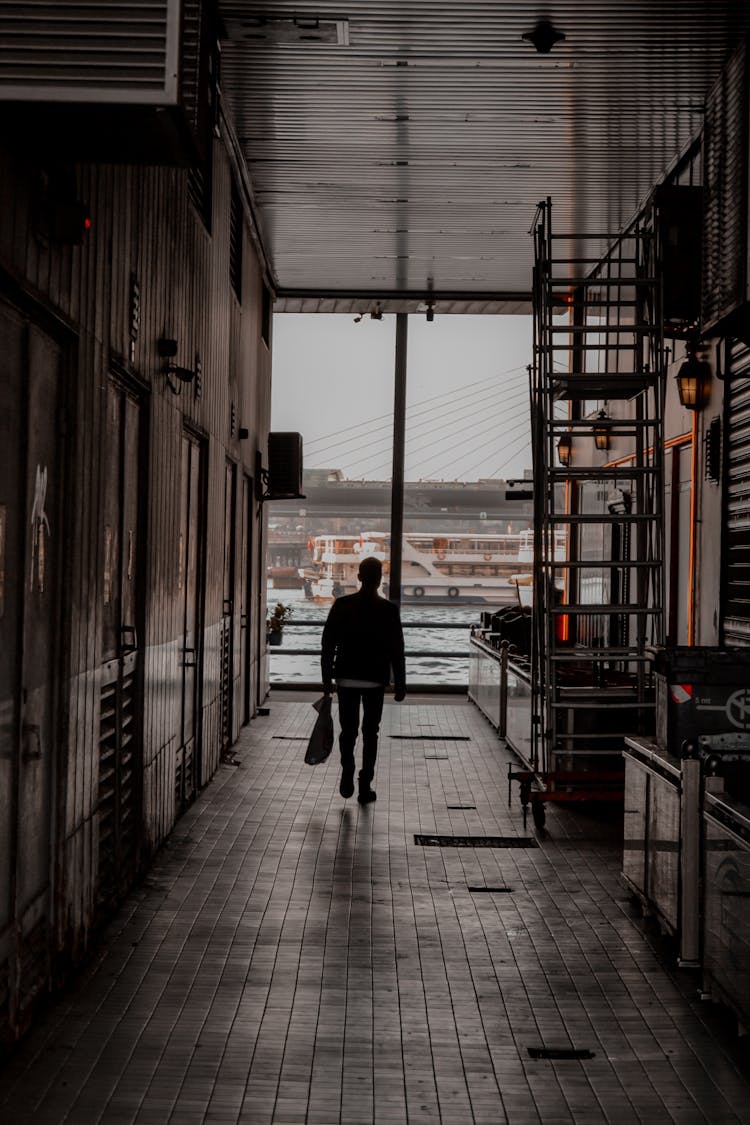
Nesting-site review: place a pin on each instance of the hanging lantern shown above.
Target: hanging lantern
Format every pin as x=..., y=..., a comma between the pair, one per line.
x=693, y=380
x=565, y=449
x=602, y=431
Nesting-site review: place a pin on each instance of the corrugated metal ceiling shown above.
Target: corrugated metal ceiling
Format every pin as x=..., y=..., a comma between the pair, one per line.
x=400, y=147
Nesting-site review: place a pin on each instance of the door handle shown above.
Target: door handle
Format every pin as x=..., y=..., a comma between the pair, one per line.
x=32, y=731
x=189, y=663
x=126, y=645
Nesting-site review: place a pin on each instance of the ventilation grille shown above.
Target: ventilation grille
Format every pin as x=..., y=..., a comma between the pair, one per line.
x=235, y=241
x=117, y=806
x=437, y=841
x=107, y=805
x=725, y=199
x=737, y=610
x=225, y=686
x=72, y=52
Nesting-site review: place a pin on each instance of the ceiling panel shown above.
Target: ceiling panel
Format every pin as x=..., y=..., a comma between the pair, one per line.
x=400, y=147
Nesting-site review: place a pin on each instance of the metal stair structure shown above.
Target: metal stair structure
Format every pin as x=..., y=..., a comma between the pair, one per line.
x=597, y=432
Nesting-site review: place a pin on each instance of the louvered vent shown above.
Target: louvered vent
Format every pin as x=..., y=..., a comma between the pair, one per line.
x=726, y=193
x=235, y=241
x=225, y=684
x=737, y=581
x=121, y=52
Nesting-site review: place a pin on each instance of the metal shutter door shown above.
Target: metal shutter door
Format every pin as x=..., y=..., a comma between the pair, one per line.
x=737, y=585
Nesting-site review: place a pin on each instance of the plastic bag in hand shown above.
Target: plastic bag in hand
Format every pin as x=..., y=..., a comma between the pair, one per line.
x=321, y=739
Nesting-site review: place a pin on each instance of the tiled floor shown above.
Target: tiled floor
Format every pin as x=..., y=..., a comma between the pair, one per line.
x=294, y=958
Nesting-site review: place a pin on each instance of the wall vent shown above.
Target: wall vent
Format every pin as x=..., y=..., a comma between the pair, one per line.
x=725, y=215
x=124, y=81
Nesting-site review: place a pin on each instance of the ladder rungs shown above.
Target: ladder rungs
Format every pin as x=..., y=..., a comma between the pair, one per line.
x=615, y=237
x=609, y=705
x=606, y=564
x=602, y=347
x=625, y=282
x=578, y=609
x=597, y=655
x=595, y=472
x=591, y=261
x=600, y=329
x=611, y=517
x=622, y=428
x=565, y=302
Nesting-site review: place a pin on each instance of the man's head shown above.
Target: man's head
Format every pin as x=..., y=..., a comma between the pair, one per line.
x=370, y=573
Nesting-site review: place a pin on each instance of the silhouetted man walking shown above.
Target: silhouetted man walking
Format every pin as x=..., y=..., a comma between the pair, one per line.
x=362, y=642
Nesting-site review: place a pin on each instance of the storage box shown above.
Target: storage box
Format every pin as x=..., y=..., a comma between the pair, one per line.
x=703, y=695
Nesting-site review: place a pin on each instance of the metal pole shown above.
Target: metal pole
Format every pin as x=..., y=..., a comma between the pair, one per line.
x=399, y=444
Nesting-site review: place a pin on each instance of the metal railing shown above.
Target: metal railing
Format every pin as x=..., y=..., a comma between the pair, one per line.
x=304, y=650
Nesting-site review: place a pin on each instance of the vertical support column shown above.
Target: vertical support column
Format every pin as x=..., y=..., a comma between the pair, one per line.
x=399, y=446
x=690, y=830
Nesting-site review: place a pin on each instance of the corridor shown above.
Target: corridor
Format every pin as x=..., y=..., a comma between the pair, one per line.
x=294, y=958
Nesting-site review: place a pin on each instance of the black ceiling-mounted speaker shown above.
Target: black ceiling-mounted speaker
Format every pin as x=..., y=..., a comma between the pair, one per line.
x=284, y=466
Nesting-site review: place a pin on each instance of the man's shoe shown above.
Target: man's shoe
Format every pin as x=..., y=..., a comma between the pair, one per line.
x=366, y=794
x=346, y=785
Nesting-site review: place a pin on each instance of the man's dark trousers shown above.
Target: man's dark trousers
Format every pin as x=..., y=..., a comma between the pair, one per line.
x=372, y=710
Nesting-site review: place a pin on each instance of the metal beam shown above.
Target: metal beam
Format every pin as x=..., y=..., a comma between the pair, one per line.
x=399, y=446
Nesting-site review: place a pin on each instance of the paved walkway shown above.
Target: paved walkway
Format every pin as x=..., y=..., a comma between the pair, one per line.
x=294, y=958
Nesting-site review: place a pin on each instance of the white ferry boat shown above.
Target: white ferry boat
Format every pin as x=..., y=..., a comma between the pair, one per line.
x=482, y=569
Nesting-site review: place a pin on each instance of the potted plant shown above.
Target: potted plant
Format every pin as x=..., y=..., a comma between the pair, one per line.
x=276, y=621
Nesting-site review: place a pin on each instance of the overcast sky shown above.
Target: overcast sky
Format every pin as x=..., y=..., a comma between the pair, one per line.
x=467, y=394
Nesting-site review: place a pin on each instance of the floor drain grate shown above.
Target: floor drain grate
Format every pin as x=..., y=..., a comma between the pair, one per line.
x=435, y=841
x=436, y=757
x=460, y=806
x=490, y=890
x=433, y=737
x=291, y=737
x=563, y=1053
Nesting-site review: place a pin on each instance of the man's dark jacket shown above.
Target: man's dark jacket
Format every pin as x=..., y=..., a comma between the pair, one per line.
x=363, y=640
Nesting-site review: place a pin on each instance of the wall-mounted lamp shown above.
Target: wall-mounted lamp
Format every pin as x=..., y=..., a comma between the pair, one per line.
x=602, y=431
x=565, y=449
x=693, y=379
x=168, y=350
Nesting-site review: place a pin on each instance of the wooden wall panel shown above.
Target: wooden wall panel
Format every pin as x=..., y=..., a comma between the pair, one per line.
x=143, y=226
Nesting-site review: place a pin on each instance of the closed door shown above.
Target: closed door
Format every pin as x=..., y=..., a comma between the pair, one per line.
x=118, y=812
x=31, y=534
x=227, y=622
x=245, y=592
x=190, y=589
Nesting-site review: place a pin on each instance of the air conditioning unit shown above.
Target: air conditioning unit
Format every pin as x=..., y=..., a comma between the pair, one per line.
x=284, y=466
x=725, y=302
x=126, y=82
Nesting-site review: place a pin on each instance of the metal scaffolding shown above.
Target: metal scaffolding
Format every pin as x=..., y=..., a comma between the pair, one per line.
x=597, y=428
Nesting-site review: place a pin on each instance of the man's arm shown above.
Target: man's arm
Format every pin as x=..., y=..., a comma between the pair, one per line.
x=328, y=649
x=398, y=660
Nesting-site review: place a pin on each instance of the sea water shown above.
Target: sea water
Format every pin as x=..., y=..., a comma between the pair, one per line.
x=432, y=634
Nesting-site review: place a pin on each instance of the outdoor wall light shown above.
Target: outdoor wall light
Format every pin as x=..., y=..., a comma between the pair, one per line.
x=693, y=380
x=602, y=431
x=565, y=449
x=168, y=350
